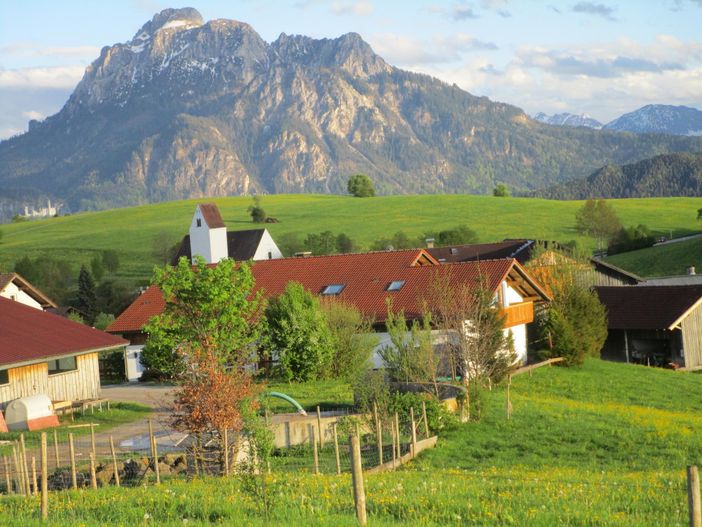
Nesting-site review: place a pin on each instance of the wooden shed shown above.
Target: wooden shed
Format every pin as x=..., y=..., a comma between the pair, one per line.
x=42, y=353
x=654, y=325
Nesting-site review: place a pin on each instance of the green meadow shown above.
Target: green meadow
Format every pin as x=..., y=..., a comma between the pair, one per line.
x=131, y=231
x=602, y=445
x=664, y=260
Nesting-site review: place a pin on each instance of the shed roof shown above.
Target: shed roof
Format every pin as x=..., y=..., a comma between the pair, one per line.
x=241, y=245
x=211, y=215
x=30, y=335
x=648, y=307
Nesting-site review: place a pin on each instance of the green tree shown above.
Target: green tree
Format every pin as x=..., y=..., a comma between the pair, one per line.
x=86, y=300
x=258, y=215
x=596, y=218
x=631, y=239
x=110, y=259
x=164, y=247
x=321, y=244
x=0, y=236
x=461, y=235
x=575, y=325
x=298, y=334
x=344, y=244
x=361, y=186
x=353, y=339
x=500, y=191
x=208, y=310
x=102, y=320
x=396, y=242
x=97, y=268
x=699, y=214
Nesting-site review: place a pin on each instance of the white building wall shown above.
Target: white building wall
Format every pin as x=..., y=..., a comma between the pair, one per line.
x=211, y=244
x=13, y=292
x=267, y=249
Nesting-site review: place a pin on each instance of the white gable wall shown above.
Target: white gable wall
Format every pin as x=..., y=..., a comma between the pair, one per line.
x=211, y=244
x=13, y=292
x=267, y=249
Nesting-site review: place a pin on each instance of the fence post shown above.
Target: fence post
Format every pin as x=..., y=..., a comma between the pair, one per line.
x=336, y=450
x=93, y=477
x=379, y=438
x=92, y=438
x=114, y=461
x=72, y=452
x=509, y=400
x=693, y=496
x=394, y=443
x=314, y=449
x=56, y=449
x=319, y=428
x=359, y=493
x=225, y=451
x=399, y=441
x=25, y=467
x=35, y=490
x=44, y=479
x=414, y=432
x=154, y=453
x=424, y=416
x=8, y=482
x=18, y=471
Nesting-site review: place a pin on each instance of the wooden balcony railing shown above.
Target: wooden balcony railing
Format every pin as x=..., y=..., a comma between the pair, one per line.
x=518, y=314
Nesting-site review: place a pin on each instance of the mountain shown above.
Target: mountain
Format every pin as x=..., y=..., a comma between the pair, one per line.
x=666, y=175
x=188, y=108
x=568, y=119
x=660, y=119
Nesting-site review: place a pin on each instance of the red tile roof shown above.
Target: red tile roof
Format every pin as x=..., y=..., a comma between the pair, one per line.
x=211, y=214
x=31, y=335
x=365, y=277
x=647, y=306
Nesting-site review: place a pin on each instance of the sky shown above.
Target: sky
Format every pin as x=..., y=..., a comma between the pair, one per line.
x=601, y=57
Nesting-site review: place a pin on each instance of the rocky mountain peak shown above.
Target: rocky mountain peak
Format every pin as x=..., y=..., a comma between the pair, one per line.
x=186, y=17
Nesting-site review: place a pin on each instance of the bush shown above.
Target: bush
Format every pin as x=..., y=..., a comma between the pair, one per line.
x=361, y=186
x=438, y=417
x=258, y=215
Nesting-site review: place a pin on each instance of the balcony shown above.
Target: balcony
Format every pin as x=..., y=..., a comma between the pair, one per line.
x=518, y=314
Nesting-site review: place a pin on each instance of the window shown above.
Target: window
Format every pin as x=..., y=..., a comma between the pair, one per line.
x=198, y=222
x=395, y=285
x=270, y=255
x=4, y=377
x=62, y=365
x=333, y=289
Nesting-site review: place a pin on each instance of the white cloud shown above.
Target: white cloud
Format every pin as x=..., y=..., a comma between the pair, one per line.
x=33, y=114
x=28, y=49
x=56, y=77
x=404, y=51
x=359, y=8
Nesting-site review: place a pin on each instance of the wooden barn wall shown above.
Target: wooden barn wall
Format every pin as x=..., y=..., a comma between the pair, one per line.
x=692, y=338
x=84, y=383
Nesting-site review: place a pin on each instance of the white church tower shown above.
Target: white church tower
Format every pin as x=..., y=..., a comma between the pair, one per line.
x=208, y=234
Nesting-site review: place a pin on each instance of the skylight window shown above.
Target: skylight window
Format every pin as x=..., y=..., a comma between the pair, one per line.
x=333, y=289
x=396, y=285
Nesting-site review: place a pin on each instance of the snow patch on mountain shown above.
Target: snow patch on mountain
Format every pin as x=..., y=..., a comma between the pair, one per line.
x=568, y=119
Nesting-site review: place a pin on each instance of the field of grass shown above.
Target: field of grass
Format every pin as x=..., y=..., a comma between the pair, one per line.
x=664, y=260
x=605, y=445
x=131, y=231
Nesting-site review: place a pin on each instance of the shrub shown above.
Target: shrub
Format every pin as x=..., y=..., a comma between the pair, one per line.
x=361, y=186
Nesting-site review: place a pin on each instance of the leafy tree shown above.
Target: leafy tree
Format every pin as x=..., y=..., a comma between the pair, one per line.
x=54, y=277
x=290, y=243
x=699, y=214
x=97, y=268
x=18, y=218
x=596, y=218
x=322, y=243
x=0, y=236
x=164, y=247
x=361, y=186
x=461, y=235
x=114, y=296
x=575, y=325
x=297, y=332
x=353, y=339
x=344, y=244
x=631, y=239
x=397, y=241
x=102, y=320
x=500, y=191
x=258, y=215
x=110, y=259
x=86, y=300
x=209, y=310
x=75, y=317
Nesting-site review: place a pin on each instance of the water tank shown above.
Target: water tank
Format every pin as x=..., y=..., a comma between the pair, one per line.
x=30, y=413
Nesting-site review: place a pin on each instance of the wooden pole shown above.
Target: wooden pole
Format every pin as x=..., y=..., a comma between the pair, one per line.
x=359, y=493
x=115, y=469
x=225, y=451
x=8, y=481
x=336, y=450
x=379, y=438
x=56, y=449
x=154, y=453
x=315, y=454
x=424, y=416
x=93, y=477
x=394, y=440
x=693, y=496
x=156, y=467
x=92, y=438
x=35, y=490
x=414, y=432
x=25, y=467
x=72, y=453
x=509, y=400
x=319, y=428
x=44, y=479
x=399, y=439
x=18, y=470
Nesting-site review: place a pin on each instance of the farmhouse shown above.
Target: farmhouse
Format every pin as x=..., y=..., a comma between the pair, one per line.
x=15, y=287
x=41, y=353
x=367, y=281
x=655, y=325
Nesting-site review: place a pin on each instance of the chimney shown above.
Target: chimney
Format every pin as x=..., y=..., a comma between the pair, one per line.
x=303, y=254
x=430, y=243
x=690, y=270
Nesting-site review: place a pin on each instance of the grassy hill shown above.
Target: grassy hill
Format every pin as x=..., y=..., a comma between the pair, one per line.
x=604, y=445
x=663, y=260
x=131, y=231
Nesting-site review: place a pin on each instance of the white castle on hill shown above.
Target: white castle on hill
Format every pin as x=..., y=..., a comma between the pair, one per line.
x=43, y=212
